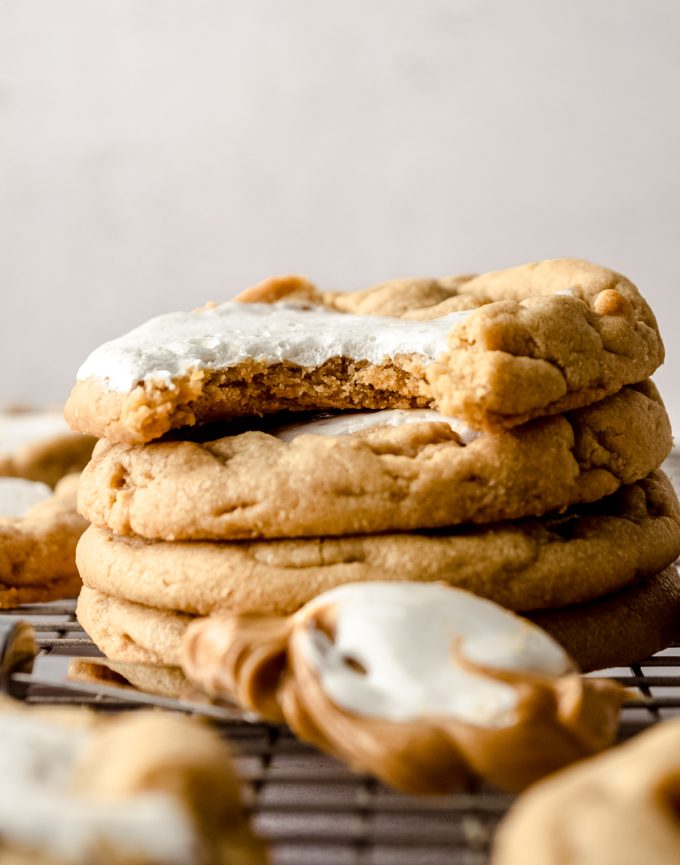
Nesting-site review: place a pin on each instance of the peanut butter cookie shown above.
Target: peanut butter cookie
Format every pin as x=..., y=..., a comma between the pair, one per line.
x=525, y=565
x=39, y=530
x=619, y=808
x=495, y=350
x=373, y=472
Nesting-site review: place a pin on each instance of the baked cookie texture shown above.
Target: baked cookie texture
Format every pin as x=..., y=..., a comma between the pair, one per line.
x=141, y=788
x=157, y=679
x=395, y=474
x=531, y=564
x=39, y=446
x=630, y=625
x=619, y=808
x=367, y=672
x=497, y=351
x=37, y=550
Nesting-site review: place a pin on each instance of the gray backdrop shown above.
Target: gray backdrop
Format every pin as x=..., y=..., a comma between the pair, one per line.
x=155, y=154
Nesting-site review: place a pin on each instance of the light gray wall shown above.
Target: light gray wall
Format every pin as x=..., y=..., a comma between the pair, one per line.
x=155, y=154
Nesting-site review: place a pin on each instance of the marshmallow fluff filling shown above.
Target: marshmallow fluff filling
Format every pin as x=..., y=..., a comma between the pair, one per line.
x=353, y=422
x=224, y=336
x=396, y=646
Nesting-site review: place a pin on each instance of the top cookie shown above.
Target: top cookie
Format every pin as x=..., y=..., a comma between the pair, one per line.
x=494, y=350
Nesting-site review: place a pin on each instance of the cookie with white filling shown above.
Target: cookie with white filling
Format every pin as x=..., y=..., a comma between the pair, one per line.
x=357, y=473
x=143, y=788
x=422, y=685
x=498, y=350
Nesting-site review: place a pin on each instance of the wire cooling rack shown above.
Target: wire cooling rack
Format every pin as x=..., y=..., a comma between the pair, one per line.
x=311, y=809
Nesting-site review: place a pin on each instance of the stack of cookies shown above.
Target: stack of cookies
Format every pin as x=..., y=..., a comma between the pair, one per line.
x=497, y=433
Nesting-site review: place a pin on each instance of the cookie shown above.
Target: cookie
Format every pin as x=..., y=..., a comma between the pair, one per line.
x=424, y=686
x=39, y=446
x=631, y=625
x=619, y=808
x=39, y=530
x=539, y=339
x=129, y=632
x=140, y=788
x=644, y=616
x=530, y=564
x=373, y=472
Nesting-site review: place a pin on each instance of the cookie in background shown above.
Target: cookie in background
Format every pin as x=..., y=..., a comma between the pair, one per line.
x=40, y=461
x=39, y=445
x=39, y=531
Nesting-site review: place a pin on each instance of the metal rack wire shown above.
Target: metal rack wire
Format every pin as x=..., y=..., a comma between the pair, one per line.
x=314, y=811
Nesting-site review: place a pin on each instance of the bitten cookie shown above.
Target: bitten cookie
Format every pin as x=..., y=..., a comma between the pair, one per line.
x=530, y=564
x=533, y=340
x=142, y=788
x=421, y=685
x=620, y=808
x=615, y=630
x=39, y=446
x=39, y=530
x=373, y=472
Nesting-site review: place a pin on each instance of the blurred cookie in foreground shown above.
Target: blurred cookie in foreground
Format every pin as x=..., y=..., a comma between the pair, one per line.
x=621, y=808
x=39, y=530
x=424, y=686
x=39, y=446
x=141, y=788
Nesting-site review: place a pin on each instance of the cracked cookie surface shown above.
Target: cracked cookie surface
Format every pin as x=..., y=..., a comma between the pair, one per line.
x=525, y=565
x=376, y=472
x=495, y=350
